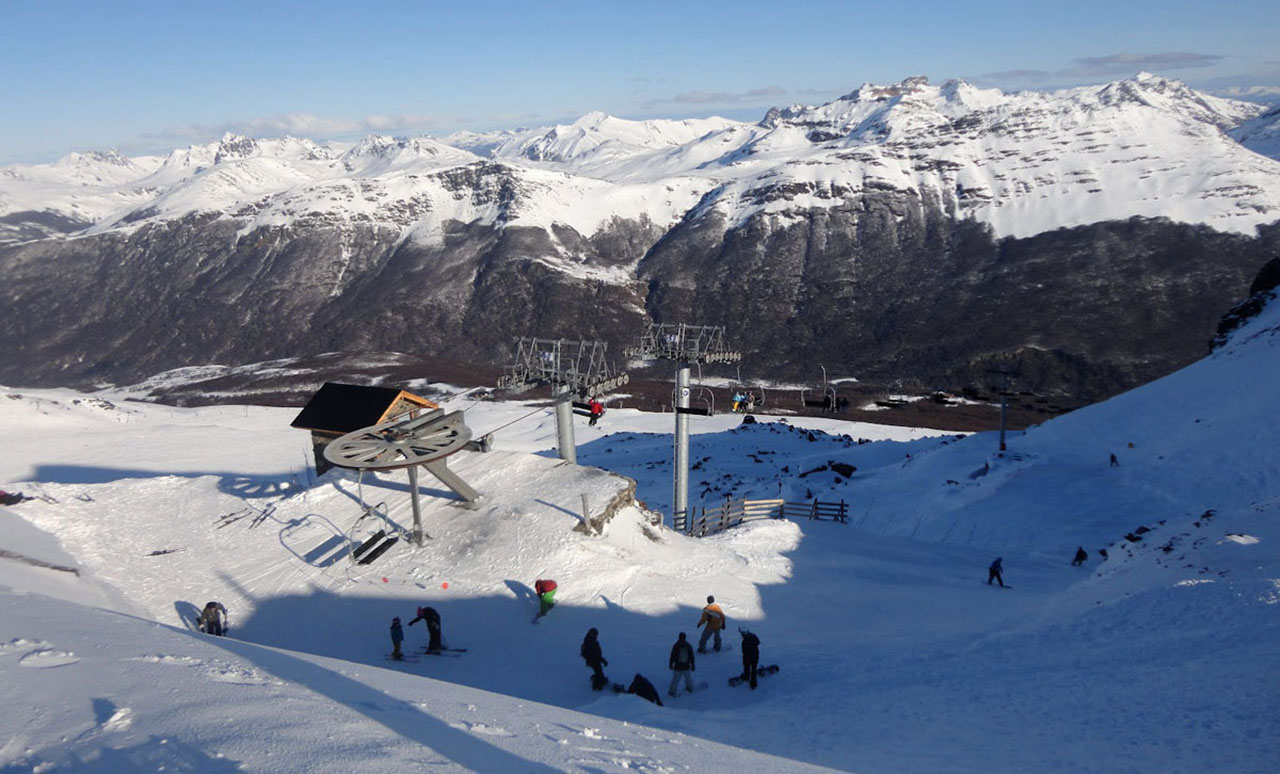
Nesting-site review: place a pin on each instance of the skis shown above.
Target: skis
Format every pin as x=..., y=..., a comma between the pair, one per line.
x=1006, y=586
x=760, y=672
x=406, y=658
x=454, y=652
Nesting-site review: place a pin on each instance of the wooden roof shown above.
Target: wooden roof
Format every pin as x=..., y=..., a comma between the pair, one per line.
x=342, y=408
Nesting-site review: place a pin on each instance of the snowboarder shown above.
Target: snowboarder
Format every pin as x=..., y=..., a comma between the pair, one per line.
x=397, y=637
x=644, y=689
x=546, y=591
x=1081, y=556
x=682, y=665
x=591, y=653
x=750, y=655
x=1115, y=463
x=995, y=572
x=714, y=619
x=213, y=619
x=597, y=411
x=432, y=618
x=738, y=399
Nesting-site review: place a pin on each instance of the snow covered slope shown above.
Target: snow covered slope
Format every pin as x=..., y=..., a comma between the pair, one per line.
x=896, y=656
x=1024, y=163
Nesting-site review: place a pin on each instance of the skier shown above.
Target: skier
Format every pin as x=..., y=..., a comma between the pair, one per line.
x=397, y=637
x=597, y=411
x=995, y=572
x=213, y=619
x=750, y=655
x=546, y=591
x=682, y=665
x=714, y=619
x=738, y=399
x=1115, y=463
x=432, y=618
x=644, y=689
x=1081, y=556
x=591, y=653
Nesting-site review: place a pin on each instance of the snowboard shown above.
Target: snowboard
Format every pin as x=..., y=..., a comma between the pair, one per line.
x=760, y=672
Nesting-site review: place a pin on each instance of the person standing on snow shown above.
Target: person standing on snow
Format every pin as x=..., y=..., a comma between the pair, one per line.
x=591, y=653
x=213, y=619
x=995, y=572
x=597, y=411
x=432, y=618
x=1081, y=556
x=681, y=663
x=397, y=637
x=713, y=618
x=750, y=656
x=546, y=591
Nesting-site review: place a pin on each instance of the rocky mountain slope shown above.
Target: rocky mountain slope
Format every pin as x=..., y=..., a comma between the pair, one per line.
x=910, y=232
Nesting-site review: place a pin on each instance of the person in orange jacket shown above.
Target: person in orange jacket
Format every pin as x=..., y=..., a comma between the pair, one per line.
x=715, y=621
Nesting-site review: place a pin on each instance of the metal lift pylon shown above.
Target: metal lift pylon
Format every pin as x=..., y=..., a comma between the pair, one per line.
x=685, y=344
x=571, y=368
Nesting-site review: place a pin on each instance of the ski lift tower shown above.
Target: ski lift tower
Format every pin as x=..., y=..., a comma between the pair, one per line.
x=684, y=344
x=570, y=367
x=1004, y=372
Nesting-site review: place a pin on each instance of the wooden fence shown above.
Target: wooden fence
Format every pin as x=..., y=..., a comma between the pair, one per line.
x=718, y=518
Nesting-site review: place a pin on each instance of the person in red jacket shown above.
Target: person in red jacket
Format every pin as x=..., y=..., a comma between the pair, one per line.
x=597, y=411
x=546, y=591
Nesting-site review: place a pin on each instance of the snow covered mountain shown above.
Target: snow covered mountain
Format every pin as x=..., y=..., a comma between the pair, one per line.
x=1157, y=655
x=1146, y=146
x=888, y=214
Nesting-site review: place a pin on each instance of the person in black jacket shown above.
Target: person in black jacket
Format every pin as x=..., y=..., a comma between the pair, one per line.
x=750, y=656
x=591, y=653
x=644, y=689
x=432, y=618
x=681, y=663
x=996, y=572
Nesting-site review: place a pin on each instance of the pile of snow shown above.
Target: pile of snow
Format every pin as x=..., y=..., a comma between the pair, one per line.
x=895, y=653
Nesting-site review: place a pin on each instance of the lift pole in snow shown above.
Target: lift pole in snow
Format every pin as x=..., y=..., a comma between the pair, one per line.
x=684, y=344
x=571, y=368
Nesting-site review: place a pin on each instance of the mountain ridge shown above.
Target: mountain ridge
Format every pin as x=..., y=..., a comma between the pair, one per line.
x=913, y=232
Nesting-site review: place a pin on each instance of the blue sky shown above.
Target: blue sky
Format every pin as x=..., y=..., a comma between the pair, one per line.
x=149, y=77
